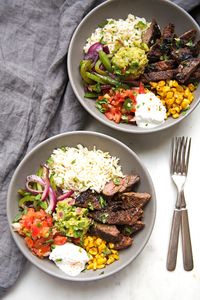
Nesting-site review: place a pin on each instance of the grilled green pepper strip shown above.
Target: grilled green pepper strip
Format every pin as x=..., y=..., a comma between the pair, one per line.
x=97, y=68
x=105, y=60
x=106, y=80
x=85, y=65
x=24, y=200
x=91, y=95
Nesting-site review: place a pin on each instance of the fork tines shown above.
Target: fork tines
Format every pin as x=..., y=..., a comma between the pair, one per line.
x=180, y=155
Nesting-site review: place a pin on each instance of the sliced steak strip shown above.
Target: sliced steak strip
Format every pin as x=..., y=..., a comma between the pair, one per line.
x=168, y=32
x=151, y=34
x=186, y=68
x=157, y=76
x=155, y=52
x=120, y=217
x=89, y=199
x=134, y=200
x=125, y=242
x=131, y=230
x=182, y=54
x=120, y=185
x=109, y=233
x=195, y=76
x=188, y=36
x=162, y=65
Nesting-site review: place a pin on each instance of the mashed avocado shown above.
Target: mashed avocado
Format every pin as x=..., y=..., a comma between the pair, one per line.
x=70, y=220
x=130, y=60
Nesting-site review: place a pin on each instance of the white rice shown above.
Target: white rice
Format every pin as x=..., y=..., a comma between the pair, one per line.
x=80, y=169
x=117, y=30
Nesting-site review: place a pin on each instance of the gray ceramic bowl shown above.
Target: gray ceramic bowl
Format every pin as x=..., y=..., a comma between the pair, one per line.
x=164, y=12
x=130, y=164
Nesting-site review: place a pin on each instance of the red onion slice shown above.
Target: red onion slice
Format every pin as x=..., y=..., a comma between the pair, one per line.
x=31, y=179
x=46, y=181
x=66, y=195
x=52, y=201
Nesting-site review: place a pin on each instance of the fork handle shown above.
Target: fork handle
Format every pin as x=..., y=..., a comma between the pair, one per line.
x=186, y=241
x=173, y=242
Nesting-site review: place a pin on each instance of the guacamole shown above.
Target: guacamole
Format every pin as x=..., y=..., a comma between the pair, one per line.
x=70, y=220
x=130, y=61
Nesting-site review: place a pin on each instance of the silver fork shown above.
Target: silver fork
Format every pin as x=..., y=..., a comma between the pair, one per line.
x=178, y=169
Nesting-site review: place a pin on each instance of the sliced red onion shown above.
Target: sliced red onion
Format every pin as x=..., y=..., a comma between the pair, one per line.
x=66, y=195
x=31, y=179
x=52, y=201
x=93, y=52
x=106, y=49
x=46, y=181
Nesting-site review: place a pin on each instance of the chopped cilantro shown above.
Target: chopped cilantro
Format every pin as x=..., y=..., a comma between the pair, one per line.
x=102, y=202
x=58, y=259
x=116, y=180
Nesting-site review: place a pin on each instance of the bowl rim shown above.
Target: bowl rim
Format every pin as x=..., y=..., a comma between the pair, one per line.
x=102, y=119
x=30, y=256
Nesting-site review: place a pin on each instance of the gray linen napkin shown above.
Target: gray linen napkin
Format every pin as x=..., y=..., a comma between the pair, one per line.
x=36, y=99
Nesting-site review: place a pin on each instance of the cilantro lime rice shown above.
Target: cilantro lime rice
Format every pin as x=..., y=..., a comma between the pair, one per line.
x=79, y=169
x=115, y=33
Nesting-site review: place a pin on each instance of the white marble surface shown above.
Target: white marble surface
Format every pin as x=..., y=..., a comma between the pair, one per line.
x=146, y=278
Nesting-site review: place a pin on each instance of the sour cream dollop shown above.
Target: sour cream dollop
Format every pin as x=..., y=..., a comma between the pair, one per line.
x=70, y=258
x=150, y=112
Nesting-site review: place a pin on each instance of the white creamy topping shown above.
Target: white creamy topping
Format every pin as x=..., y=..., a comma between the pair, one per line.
x=150, y=112
x=70, y=258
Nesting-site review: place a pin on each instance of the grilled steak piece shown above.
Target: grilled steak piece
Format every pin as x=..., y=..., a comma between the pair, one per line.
x=168, y=32
x=195, y=76
x=188, y=36
x=125, y=242
x=157, y=76
x=134, y=200
x=120, y=185
x=131, y=230
x=186, y=68
x=128, y=200
x=162, y=65
x=182, y=54
x=90, y=199
x=120, y=217
x=151, y=34
x=155, y=52
x=109, y=233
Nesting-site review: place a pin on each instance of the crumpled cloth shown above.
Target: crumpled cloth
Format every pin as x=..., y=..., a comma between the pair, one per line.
x=36, y=98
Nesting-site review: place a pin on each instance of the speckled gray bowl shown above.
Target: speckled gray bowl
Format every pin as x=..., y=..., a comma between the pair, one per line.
x=163, y=11
x=130, y=164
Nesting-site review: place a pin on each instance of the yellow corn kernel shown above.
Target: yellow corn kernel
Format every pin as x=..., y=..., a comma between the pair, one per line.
x=98, y=242
x=191, y=87
x=170, y=83
x=93, y=251
x=90, y=266
x=185, y=103
x=187, y=92
x=111, y=245
x=191, y=97
x=114, y=251
x=169, y=101
x=166, y=89
x=161, y=83
x=178, y=101
x=101, y=266
x=172, y=111
x=169, y=95
x=101, y=248
x=153, y=84
x=175, y=116
x=101, y=260
x=180, y=89
x=116, y=256
x=175, y=83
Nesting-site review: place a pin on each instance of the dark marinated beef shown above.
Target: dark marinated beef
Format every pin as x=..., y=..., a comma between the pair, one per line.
x=131, y=230
x=120, y=217
x=90, y=199
x=120, y=185
x=125, y=242
x=162, y=65
x=182, y=54
x=109, y=233
x=155, y=52
x=188, y=36
x=196, y=49
x=195, y=76
x=186, y=68
x=168, y=32
x=151, y=34
x=134, y=200
x=157, y=76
